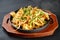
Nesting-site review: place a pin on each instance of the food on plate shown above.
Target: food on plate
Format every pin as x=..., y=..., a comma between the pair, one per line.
x=29, y=18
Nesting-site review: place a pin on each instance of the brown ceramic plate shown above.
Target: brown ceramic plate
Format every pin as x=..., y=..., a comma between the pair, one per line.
x=49, y=30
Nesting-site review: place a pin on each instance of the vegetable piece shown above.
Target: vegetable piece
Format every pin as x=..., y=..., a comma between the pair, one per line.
x=47, y=16
x=12, y=14
x=25, y=27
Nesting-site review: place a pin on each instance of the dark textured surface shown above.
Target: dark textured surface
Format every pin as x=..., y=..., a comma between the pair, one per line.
x=10, y=5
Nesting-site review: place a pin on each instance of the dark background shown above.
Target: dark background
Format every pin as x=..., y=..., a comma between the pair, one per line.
x=7, y=6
